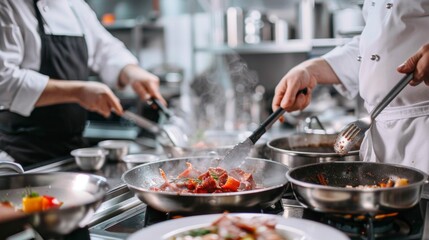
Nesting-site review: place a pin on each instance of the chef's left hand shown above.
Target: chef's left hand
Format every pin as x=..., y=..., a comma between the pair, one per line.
x=144, y=83
x=419, y=64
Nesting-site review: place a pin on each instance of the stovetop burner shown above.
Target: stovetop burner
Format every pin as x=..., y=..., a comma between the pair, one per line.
x=398, y=225
x=154, y=216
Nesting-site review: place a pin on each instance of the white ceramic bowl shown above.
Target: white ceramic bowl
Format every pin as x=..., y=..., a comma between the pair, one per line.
x=89, y=158
x=134, y=160
x=116, y=149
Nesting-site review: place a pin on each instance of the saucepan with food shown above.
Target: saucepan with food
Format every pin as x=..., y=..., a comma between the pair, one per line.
x=52, y=203
x=357, y=187
x=307, y=148
x=197, y=184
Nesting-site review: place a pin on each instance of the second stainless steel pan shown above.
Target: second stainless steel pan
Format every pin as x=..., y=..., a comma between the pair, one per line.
x=334, y=197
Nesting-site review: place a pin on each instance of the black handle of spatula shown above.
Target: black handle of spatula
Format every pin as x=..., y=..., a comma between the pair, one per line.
x=256, y=135
x=161, y=107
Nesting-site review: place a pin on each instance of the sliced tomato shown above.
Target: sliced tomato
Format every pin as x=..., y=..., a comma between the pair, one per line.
x=49, y=202
x=231, y=184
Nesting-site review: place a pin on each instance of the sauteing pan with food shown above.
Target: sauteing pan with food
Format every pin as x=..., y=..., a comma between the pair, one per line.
x=75, y=198
x=147, y=182
x=357, y=187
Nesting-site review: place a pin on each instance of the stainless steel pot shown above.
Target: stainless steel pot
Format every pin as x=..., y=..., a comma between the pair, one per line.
x=271, y=175
x=336, y=198
x=302, y=149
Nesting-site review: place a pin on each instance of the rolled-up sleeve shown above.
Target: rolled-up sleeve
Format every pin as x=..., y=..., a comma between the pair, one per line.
x=108, y=55
x=19, y=88
x=343, y=60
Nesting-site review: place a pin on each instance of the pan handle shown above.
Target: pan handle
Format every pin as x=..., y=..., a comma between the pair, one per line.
x=7, y=167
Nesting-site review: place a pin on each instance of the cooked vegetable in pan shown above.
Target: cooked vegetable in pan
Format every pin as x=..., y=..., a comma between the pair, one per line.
x=34, y=202
x=390, y=183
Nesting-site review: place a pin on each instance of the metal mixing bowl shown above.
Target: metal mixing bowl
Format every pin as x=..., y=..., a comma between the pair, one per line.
x=89, y=158
x=116, y=149
x=134, y=160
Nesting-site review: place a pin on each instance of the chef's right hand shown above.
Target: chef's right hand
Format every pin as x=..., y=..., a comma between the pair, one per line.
x=98, y=97
x=286, y=96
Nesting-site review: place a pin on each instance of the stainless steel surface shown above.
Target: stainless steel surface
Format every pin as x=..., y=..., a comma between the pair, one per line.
x=355, y=131
x=81, y=194
x=89, y=158
x=269, y=174
x=116, y=149
x=300, y=149
x=336, y=198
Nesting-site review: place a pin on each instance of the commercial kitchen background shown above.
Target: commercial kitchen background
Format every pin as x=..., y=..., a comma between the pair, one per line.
x=220, y=60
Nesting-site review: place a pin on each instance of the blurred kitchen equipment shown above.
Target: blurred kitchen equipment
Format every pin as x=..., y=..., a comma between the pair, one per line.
x=176, y=136
x=307, y=148
x=168, y=74
x=134, y=160
x=310, y=127
x=116, y=149
x=89, y=159
x=241, y=150
x=336, y=198
x=348, y=22
x=269, y=174
x=81, y=194
x=355, y=131
x=234, y=26
x=257, y=27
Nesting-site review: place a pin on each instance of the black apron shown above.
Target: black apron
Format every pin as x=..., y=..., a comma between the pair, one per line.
x=51, y=131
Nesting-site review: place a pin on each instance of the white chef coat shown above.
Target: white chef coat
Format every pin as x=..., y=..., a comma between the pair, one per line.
x=394, y=31
x=20, y=82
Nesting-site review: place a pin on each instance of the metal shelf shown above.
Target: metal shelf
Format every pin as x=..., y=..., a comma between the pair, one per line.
x=290, y=46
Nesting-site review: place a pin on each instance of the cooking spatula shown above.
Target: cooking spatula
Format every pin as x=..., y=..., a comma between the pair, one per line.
x=241, y=150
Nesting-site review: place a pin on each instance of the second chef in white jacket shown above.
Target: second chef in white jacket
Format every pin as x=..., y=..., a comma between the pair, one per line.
x=393, y=42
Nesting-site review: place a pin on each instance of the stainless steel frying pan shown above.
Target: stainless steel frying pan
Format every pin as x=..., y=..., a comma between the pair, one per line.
x=81, y=194
x=335, y=198
x=268, y=173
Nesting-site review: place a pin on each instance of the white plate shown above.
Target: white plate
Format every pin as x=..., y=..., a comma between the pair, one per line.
x=294, y=228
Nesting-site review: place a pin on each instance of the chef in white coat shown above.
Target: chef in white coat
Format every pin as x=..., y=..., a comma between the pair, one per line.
x=393, y=42
x=47, y=50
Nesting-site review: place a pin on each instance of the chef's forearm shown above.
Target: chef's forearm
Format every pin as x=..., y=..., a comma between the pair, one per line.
x=58, y=92
x=321, y=70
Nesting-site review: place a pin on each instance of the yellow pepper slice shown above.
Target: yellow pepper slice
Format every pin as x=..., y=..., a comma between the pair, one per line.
x=32, y=204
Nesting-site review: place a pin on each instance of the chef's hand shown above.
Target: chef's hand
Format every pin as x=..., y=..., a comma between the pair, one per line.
x=286, y=96
x=144, y=83
x=419, y=64
x=98, y=97
x=93, y=96
x=305, y=75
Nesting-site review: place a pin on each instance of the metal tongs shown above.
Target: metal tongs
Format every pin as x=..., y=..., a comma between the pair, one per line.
x=173, y=133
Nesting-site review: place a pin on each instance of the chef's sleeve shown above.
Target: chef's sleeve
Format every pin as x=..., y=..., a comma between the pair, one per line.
x=19, y=88
x=109, y=55
x=343, y=60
